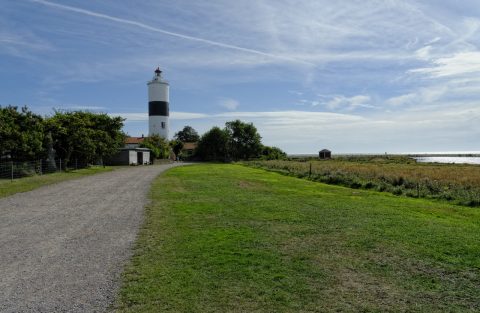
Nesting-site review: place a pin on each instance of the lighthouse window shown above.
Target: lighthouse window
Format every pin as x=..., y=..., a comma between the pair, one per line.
x=163, y=125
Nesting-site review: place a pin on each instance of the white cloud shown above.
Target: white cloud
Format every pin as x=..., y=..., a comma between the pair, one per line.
x=186, y=115
x=292, y=117
x=229, y=104
x=306, y=131
x=349, y=103
x=403, y=99
x=132, y=117
x=423, y=97
x=423, y=53
x=85, y=107
x=296, y=92
x=339, y=102
x=143, y=116
x=461, y=63
x=434, y=40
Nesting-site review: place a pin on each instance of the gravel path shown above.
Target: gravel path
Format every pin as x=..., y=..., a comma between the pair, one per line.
x=63, y=246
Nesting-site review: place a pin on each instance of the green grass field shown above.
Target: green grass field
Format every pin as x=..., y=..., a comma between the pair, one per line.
x=228, y=238
x=8, y=187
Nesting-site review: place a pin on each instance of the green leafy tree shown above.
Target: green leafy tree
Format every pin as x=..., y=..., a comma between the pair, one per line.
x=244, y=140
x=108, y=136
x=213, y=145
x=272, y=153
x=187, y=134
x=21, y=134
x=159, y=146
x=85, y=135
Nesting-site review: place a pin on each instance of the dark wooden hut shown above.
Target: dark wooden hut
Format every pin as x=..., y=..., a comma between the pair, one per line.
x=325, y=154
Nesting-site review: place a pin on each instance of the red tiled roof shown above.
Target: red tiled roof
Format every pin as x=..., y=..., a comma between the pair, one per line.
x=134, y=140
x=189, y=145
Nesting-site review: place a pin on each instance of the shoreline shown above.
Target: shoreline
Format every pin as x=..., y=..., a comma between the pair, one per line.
x=412, y=155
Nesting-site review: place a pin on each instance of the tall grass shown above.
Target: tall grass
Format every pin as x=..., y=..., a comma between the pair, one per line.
x=401, y=176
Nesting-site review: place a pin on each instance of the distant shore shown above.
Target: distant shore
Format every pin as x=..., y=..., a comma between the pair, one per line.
x=475, y=154
x=460, y=155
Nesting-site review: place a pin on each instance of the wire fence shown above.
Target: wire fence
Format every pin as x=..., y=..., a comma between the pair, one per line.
x=12, y=169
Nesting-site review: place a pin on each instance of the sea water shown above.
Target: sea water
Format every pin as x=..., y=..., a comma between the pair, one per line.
x=448, y=159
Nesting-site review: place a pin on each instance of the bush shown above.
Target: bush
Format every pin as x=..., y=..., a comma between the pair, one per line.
x=272, y=153
x=369, y=185
x=398, y=181
x=355, y=185
x=397, y=191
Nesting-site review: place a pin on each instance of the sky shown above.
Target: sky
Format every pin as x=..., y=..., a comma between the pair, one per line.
x=353, y=76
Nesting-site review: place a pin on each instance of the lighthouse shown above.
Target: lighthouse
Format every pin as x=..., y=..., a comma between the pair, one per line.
x=158, y=110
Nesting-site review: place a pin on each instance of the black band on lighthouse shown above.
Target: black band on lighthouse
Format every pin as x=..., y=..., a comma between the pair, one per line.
x=158, y=108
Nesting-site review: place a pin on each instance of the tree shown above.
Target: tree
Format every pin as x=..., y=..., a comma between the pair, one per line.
x=85, y=135
x=272, y=153
x=244, y=140
x=159, y=146
x=21, y=134
x=108, y=136
x=177, y=146
x=213, y=145
x=187, y=134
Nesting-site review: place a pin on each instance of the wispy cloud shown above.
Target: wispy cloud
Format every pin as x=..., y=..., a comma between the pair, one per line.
x=312, y=33
x=340, y=102
x=349, y=103
x=426, y=96
x=169, y=33
x=21, y=43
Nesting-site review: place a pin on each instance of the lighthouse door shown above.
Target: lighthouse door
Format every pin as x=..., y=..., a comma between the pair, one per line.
x=140, y=158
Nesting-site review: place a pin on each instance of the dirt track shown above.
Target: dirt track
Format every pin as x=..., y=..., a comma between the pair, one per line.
x=62, y=247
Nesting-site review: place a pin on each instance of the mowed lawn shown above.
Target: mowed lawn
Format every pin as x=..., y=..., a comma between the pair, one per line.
x=227, y=238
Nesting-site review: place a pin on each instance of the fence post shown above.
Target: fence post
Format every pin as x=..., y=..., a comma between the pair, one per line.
x=310, y=172
x=60, y=163
x=41, y=170
x=76, y=164
x=12, y=171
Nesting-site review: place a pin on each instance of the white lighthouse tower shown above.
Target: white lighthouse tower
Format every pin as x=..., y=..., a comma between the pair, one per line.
x=158, y=110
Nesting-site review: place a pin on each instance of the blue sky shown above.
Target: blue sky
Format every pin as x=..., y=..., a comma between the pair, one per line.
x=351, y=76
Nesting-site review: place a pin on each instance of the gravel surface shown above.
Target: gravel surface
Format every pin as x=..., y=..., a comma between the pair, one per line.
x=63, y=246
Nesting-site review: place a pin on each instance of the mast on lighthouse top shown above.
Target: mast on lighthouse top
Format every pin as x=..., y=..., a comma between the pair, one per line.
x=158, y=76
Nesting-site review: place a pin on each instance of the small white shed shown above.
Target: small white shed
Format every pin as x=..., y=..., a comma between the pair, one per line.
x=131, y=156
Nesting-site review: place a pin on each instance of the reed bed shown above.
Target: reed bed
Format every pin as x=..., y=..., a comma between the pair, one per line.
x=401, y=176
